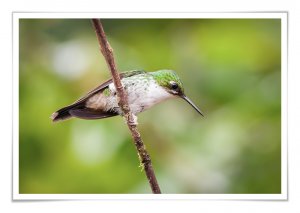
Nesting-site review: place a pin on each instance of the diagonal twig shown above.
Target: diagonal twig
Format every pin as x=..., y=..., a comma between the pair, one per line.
x=144, y=157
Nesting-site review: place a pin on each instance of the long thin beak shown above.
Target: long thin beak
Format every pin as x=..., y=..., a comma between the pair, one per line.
x=192, y=104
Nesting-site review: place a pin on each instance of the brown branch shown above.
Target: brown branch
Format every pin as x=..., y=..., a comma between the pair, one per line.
x=144, y=157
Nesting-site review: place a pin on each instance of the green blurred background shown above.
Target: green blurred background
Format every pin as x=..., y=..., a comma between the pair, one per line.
x=231, y=69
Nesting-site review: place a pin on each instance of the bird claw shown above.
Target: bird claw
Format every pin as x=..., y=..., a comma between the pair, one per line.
x=132, y=123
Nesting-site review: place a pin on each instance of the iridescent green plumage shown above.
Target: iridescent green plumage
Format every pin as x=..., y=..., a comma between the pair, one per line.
x=163, y=78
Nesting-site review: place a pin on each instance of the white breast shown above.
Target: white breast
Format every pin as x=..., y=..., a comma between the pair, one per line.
x=141, y=96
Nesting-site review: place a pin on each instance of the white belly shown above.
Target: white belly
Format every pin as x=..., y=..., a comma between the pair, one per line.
x=141, y=96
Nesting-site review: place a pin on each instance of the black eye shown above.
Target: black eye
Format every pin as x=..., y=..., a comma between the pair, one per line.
x=174, y=85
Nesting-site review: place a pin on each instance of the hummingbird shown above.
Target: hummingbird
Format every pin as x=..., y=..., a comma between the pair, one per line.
x=144, y=90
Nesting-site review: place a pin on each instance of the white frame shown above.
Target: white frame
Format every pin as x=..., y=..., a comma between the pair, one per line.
x=284, y=77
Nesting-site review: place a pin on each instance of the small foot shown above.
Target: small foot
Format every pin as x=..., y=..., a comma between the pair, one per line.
x=134, y=122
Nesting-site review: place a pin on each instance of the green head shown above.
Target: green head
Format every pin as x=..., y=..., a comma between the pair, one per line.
x=169, y=80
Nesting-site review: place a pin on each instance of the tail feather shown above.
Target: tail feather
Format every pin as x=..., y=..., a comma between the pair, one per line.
x=61, y=114
x=78, y=110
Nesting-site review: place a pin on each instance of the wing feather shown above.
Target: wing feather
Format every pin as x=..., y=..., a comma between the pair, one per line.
x=106, y=83
x=78, y=109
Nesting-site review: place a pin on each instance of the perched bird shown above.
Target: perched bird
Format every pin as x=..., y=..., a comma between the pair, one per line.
x=144, y=90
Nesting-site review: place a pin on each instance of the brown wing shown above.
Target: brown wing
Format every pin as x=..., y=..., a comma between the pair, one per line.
x=94, y=91
x=106, y=83
x=78, y=109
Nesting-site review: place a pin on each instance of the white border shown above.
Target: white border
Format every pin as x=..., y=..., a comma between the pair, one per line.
x=282, y=196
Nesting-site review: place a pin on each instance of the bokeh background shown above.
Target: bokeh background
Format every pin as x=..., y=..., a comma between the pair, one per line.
x=231, y=69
